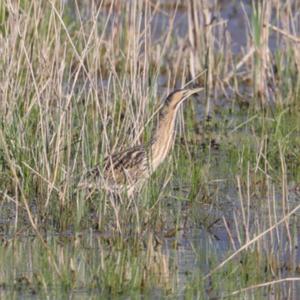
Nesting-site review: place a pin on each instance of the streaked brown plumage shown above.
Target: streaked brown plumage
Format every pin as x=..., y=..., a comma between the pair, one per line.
x=127, y=170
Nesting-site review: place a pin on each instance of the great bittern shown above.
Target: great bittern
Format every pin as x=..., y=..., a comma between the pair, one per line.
x=127, y=170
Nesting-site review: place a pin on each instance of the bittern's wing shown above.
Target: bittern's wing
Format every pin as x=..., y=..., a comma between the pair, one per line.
x=126, y=167
x=119, y=170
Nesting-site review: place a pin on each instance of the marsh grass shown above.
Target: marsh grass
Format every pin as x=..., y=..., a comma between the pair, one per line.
x=79, y=81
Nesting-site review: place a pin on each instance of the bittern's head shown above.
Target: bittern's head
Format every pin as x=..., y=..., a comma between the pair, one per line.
x=174, y=100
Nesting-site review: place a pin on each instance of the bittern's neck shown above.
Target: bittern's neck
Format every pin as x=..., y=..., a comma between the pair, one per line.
x=163, y=136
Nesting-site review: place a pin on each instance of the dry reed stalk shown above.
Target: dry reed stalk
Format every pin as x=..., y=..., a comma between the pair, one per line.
x=244, y=214
x=229, y=234
x=240, y=64
x=285, y=191
x=195, y=23
x=284, y=33
x=202, y=40
x=261, y=78
x=209, y=41
x=253, y=240
x=264, y=284
x=290, y=28
x=237, y=228
x=270, y=205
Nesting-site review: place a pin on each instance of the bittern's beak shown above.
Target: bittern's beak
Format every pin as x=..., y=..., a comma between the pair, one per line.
x=193, y=91
x=196, y=90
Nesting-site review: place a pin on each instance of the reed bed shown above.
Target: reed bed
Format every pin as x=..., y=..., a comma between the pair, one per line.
x=79, y=80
